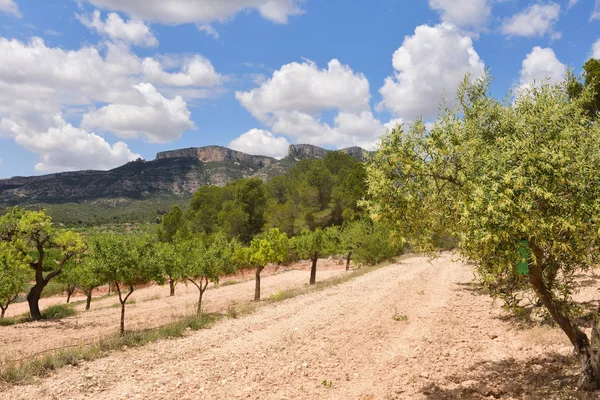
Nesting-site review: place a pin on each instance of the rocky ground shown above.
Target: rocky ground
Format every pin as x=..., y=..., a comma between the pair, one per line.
x=418, y=329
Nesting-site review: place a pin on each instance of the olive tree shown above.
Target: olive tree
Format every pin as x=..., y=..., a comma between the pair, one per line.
x=14, y=273
x=271, y=247
x=501, y=176
x=315, y=244
x=32, y=233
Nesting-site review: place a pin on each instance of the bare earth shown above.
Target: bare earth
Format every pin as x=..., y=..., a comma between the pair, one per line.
x=346, y=342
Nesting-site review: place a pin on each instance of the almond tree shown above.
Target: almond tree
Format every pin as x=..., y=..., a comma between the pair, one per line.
x=312, y=245
x=518, y=183
x=125, y=261
x=14, y=273
x=207, y=259
x=31, y=232
x=272, y=247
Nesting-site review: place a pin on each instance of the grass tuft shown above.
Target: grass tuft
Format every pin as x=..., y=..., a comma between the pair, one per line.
x=59, y=311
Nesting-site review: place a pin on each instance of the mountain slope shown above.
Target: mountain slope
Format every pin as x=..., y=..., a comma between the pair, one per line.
x=175, y=173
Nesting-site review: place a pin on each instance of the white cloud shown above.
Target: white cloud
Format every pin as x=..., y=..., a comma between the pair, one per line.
x=159, y=120
x=38, y=82
x=596, y=50
x=596, y=12
x=257, y=141
x=209, y=30
x=463, y=13
x=428, y=65
x=196, y=71
x=572, y=3
x=202, y=11
x=134, y=32
x=64, y=147
x=536, y=20
x=10, y=7
x=293, y=101
x=306, y=88
x=539, y=65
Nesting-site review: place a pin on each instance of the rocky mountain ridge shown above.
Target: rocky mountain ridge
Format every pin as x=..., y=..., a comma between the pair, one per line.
x=177, y=172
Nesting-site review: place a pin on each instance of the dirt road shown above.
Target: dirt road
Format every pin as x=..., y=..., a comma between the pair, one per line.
x=414, y=330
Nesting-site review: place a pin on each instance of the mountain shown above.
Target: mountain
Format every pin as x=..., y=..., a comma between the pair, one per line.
x=172, y=173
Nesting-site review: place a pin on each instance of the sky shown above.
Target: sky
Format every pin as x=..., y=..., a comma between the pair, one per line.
x=93, y=84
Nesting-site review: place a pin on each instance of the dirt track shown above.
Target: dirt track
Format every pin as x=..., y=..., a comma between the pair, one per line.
x=346, y=342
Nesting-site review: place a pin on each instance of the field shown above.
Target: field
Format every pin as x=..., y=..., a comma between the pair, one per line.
x=417, y=329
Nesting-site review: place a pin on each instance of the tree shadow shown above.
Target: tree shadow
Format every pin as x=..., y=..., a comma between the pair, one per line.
x=549, y=376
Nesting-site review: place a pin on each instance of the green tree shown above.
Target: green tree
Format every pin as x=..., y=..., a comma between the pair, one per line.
x=14, y=273
x=272, y=247
x=171, y=257
x=499, y=176
x=171, y=223
x=208, y=258
x=31, y=232
x=315, y=244
x=88, y=278
x=125, y=261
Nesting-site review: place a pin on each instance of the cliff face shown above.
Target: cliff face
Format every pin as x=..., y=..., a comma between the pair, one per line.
x=301, y=151
x=216, y=154
x=177, y=172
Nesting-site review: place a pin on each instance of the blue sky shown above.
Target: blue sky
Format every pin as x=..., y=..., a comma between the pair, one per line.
x=92, y=84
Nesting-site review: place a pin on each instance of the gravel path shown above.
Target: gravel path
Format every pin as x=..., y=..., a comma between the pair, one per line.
x=413, y=330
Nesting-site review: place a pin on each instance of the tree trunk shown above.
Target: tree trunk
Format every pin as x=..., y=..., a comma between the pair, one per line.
x=33, y=299
x=123, y=301
x=171, y=287
x=122, y=318
x=88, y=300
x=70, y=291
x=313, y=270
x=199, y=310
x=348, y=261
x=257, y=285
x=589, y=357
x=3, y=311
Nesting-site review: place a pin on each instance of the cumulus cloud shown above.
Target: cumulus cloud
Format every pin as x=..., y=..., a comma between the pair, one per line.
x=293, y=101
x=202, y=11
x=134, y=32
x=472, y=14
x=38, y=82
x=428, y=65
x=159, y=120
x=258, y=141
x=64, y=147
x=539, y=65
x=596, y=50
x=596, y=12
x=196, y=71
x=536, y=20
x=10, y=7
x=306, y=88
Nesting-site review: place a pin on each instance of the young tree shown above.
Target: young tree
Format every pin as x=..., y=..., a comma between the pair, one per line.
x=312, y=245
x=207, y=260
x=14, y=273
x=272, y=247
x=88, y=278
x=352, y=238
x=125, y=261
x=503, y=177
x=31, y=232
x=171, y=257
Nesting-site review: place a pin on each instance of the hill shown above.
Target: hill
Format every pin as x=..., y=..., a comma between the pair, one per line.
x=134, y=191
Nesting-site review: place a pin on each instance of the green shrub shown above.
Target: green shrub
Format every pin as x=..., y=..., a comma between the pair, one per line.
x=59, y=311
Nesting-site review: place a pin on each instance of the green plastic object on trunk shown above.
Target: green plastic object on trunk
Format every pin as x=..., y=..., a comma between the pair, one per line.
x=524, y=257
